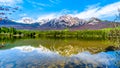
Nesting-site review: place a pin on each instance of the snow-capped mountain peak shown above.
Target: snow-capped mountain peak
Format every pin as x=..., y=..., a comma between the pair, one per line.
x=26, y=20
x=64, y=21
x=93, y=21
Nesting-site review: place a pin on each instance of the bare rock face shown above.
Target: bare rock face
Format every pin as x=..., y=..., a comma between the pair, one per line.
x=64, y=21
x=70, y=21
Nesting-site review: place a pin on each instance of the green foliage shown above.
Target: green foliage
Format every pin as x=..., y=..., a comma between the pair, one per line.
x=80, y=34
x=12, y=30
x=4, y=30
x=7, y=30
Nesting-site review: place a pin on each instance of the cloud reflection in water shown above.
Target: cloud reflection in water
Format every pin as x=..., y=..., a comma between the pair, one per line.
x=28, y=57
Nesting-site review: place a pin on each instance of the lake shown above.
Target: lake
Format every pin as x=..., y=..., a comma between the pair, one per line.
x=58, y=53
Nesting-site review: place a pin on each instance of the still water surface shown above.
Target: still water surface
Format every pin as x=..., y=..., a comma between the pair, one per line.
x=58, y=53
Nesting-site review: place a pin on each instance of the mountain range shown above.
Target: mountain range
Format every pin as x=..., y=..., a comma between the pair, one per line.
x=62, y=22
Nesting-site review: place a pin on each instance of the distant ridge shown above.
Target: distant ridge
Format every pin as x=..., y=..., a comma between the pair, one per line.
x=63, y=22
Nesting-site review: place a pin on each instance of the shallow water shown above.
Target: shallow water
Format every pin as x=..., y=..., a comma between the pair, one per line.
x=58, y=53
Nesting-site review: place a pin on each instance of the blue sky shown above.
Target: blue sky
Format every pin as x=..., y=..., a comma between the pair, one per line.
x=38, y=9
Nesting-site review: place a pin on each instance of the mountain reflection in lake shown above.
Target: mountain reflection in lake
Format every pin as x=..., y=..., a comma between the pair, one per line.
x=58, y=53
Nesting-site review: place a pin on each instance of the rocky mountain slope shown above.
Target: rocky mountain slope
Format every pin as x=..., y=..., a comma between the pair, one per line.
x=59, y=23
x=9, y=23
x=65, y=21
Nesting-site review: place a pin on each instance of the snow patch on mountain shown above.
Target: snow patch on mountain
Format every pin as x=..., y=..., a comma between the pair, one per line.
x=26, y=20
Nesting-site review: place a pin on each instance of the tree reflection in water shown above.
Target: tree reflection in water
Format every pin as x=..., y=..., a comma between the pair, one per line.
x=68, y=53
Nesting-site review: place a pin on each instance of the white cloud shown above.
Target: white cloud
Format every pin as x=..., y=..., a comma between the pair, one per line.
x=55, y=1
x=100, y=12
x=109, y=10
x=36, y=4
x=47, y=16
x=87, y=13
x=10, y=2
x=23, y=15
